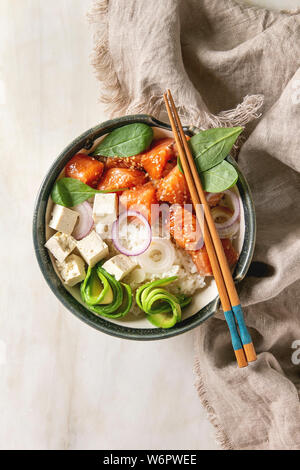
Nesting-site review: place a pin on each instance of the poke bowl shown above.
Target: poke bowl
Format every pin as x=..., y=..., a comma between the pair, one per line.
x=143, y=283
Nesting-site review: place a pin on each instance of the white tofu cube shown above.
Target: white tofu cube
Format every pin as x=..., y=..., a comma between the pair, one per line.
x=61, y=245
x=72, y=270
x=119, y=266
x=105, y=208
x=92, y=248
x=104, y=230
x=63, y=219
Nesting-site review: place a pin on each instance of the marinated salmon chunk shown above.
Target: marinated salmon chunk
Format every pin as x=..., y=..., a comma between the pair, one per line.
x=84, y=168
x=173, y=188
x=134, y=163
x=202, y=262
x=117, y=178
x=168, y=167
x=230, y=252
x=140, y=199
x=155, y=160
x=184, y=227
x=185, y=231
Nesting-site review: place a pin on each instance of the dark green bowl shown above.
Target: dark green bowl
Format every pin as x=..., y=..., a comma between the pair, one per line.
x=86, y=141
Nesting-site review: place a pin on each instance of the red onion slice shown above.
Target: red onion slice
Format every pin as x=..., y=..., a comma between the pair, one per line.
x=116, y=229
x=229, y=232
x=85, y=220
x=236, y=211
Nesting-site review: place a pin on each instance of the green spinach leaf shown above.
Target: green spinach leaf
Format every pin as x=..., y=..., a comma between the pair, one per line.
x=219, y=178
x=126, y=141
x=210, y=147
x=70, y=192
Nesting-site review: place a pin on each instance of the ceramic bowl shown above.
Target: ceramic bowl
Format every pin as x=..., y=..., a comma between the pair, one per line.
x=204, y=304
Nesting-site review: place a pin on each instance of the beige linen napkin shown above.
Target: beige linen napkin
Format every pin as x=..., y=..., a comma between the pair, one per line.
x=213, y=55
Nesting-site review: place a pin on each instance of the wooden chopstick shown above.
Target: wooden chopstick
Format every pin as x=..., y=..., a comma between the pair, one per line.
x=225, y=302
x=227, y=276
x=228, y=296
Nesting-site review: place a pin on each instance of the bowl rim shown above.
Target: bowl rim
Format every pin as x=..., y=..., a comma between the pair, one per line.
x=85, y=140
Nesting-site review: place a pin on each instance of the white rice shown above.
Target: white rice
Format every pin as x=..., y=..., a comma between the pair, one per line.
x=188, y=279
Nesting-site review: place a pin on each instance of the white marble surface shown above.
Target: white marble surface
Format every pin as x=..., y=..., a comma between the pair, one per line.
x=64, y=385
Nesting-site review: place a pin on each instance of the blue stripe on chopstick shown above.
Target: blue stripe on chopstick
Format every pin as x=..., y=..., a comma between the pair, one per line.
x=235, y=339
x=245, y=336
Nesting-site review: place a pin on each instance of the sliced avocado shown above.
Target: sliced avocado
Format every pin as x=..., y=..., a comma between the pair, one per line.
x=122, y=298
x=95, y=288
x=159, y=316
x=163, y=309
x=108, y=298
x=162, y=320
x=104, y=295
